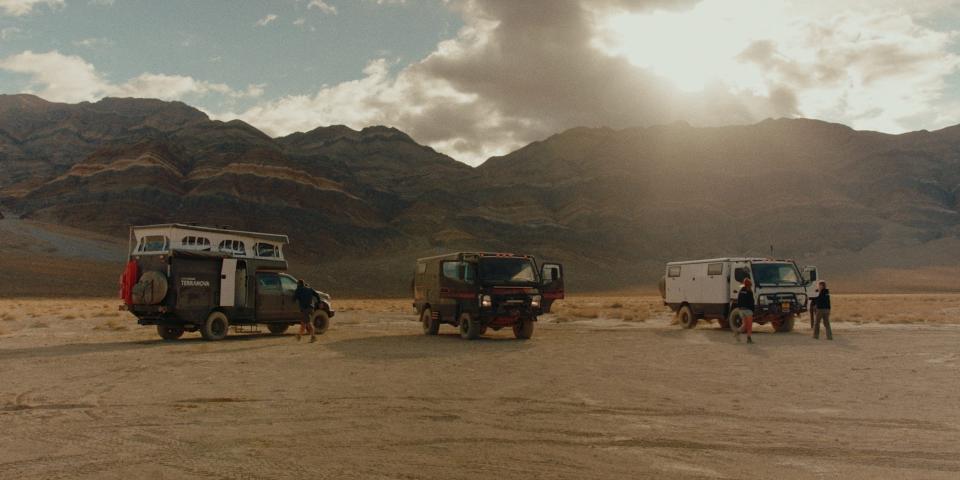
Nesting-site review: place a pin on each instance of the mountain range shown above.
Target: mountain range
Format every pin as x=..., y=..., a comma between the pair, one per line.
x=874, y=211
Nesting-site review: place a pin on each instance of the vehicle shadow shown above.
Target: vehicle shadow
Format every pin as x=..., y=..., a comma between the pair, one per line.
x=389, y=347
x=73, y=349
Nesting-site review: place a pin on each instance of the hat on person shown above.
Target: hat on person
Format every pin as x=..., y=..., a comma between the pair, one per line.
x=747, y=281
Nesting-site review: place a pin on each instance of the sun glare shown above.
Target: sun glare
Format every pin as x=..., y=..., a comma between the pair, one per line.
x=693, y=48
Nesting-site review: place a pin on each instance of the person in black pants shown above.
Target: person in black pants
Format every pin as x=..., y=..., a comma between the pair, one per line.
x=823, y=312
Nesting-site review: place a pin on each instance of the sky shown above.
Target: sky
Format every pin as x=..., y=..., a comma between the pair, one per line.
x=478, y=78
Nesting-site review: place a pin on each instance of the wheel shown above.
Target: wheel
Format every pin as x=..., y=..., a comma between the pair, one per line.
x=431, y=326
x=783, y=325
x=524, y=329
x=169, y=333
x=216, y=326
x=277, y=328
x=470, y=327
x=734, y=321
x=686, y=317
x=321, y=321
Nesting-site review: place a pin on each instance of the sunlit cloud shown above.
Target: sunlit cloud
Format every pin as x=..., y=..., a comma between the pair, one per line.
x=269, y=18
x=69, y=78
x=18, y=8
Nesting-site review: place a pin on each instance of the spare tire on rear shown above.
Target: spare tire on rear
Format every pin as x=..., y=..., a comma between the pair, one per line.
x=151, y=289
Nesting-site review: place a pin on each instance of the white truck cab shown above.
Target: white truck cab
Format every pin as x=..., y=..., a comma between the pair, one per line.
x=708, y=289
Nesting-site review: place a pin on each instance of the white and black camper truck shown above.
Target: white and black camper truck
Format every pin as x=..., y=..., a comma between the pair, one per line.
x=707, y=289
x=193, y=278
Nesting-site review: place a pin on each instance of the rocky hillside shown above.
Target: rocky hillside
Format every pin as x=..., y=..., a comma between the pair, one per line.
x=613, y=204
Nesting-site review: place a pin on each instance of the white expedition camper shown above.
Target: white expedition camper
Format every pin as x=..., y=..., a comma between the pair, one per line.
x=705, y=289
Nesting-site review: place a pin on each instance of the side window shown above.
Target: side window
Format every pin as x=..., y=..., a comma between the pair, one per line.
x=469, y=272
x=715, y=269
x=421, y=268
x=288, y=284
x=450, y=270
x=673, y=271
x=741, y=273
x=153, y=243
x=235, y=247
x=460, y=271
x=266, y=250
x=268, y=282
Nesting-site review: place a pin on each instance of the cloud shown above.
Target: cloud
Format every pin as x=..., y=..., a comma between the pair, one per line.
x=93, y=42
x=8, y=33
x=102, y=3
x=323, y=6
x=69, y=78
x=265, y=20
x=519, y=71
x=17, y=8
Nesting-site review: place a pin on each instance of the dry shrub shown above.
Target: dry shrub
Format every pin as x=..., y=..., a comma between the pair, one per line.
x=615, y=305
x=8, y=317
x=39, y=324
x=69, y=317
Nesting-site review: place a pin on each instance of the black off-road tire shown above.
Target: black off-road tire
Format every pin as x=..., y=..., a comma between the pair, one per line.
x=169, y=333
x=783, y=325
x=278, y=328
x=216, y=327
x=470, y=328
x=686, y=318
x=524, y=328
x=321, y=322
x=431, y=326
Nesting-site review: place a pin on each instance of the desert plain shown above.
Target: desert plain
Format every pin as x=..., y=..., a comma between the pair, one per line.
x=607, y=388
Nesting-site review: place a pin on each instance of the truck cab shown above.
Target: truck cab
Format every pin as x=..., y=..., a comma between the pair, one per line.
x=477, y=291
x=186, y=278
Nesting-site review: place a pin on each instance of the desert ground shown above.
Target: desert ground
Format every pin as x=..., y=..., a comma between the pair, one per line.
x=607, y=388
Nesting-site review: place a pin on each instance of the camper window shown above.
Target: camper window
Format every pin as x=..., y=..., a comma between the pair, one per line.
x=153, y=243
x=715, y=269
x=421, y=268
x=198, y=242
x=673, y=271
x=266, y=250
x=235, y=247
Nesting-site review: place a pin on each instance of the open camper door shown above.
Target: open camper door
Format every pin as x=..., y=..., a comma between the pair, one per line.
x=228, y=282
x=551, y=277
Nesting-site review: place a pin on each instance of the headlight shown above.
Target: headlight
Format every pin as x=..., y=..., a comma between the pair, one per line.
x=486, y=301
x=535, y=301
x=802, y=299
x=764, y=300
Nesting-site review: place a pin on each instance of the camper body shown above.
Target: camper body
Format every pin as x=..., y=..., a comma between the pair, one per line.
x=190, y=278
x=476, y=291
x=708, y=289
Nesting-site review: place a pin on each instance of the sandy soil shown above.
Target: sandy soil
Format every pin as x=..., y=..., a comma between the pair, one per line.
x=85, y=393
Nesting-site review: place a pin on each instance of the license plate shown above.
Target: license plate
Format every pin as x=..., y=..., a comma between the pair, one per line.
x=785, y=306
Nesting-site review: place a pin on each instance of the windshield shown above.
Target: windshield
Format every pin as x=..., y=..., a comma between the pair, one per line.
x=507, y=270
x=775, y=274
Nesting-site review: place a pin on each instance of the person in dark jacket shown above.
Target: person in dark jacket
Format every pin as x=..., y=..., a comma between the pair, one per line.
x=823, y=312
x=813, y=307
x=304, y=297
x=744, y=311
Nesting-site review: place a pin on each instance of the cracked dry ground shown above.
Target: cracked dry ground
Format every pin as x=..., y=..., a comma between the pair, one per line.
x=582, y=399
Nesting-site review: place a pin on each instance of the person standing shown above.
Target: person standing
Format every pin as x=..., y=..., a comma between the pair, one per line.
x=823, y=312
x=813, y=307
x=744, y=311
x=304, y=297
